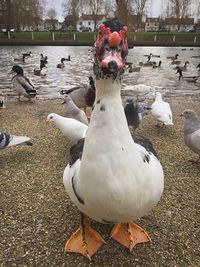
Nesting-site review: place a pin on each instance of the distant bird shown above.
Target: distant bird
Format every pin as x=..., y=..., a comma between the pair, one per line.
x=151, y=55
x=192, y=132
x=176, y=62
x=134, y=69
x=2, y=102
x=22, y=84
x=198, y=66
x=61, y=65
x=186, y=78
x=71, y=128
x=173, y=57
x=39, y=72
x=147, y=64
x=183, y=68
x=43, y=59
x=161, y=110
x=195, y=56
x=7, y=140
x=68, y=58
x=24, y=55
x=27, y=54
x=135, y=111
x=83, y=95
x=72, y=111
x=158, y=65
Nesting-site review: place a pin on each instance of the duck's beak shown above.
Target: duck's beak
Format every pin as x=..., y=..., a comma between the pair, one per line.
x=11, y=72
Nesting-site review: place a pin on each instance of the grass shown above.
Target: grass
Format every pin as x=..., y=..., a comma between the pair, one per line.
x=88, y=38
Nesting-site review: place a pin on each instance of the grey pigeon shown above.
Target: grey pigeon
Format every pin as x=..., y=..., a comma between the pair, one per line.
x=73, y=111
x=7, y=140
x=192, y=132
x=135, y=111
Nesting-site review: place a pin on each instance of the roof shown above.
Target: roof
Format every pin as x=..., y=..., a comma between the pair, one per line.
x=152, y=19
x=92, y=16
x=183, y=21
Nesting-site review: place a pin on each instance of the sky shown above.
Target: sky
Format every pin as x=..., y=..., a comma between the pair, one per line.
x=154, y=11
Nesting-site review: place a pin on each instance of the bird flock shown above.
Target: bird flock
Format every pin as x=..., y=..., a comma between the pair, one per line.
x=114, y=175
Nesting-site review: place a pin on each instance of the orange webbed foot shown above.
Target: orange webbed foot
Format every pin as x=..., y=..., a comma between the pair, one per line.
x=129, y=235
x=85, y=240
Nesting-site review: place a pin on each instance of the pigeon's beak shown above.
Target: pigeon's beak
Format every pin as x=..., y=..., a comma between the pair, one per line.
x=63, y=102
x=181, y=115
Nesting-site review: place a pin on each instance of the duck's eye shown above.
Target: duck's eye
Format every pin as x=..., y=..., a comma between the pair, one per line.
x=51, y=117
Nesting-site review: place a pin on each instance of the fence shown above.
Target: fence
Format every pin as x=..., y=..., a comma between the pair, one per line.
x=88, y=38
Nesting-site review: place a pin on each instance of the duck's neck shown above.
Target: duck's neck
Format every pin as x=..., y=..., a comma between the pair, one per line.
x=108, y=115
x=108, y=88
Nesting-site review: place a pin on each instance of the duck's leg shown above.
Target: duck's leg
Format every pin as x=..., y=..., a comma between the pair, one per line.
x=129, y=235
x=85, y=240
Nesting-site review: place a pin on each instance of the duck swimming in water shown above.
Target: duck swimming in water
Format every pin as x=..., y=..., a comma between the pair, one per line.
x=104, y=188
x=61, y=65
x=39, y=72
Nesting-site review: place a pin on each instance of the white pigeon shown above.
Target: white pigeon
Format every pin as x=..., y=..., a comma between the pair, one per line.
x=73, y=111
x=161, y=110
x=7, y=140
x=71, y=128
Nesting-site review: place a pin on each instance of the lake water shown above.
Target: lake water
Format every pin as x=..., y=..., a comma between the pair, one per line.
x=79, y=68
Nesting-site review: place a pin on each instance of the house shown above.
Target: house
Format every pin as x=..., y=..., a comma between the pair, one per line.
x=89, y=22
x=174, y=24
x=152, y=24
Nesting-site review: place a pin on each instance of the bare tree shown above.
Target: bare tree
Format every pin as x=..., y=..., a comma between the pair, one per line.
x=19, y=13
x=123, y=9
x=138, y=8
x=180, y=8
x=71, y=11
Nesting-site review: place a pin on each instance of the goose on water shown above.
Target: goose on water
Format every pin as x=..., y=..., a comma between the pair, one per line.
x=112, y=177
x=61, y=65
x=173, y=57
x=183, y=68
x=192, y=78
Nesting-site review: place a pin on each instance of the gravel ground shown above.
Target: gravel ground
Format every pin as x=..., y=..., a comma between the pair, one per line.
x=37, y=216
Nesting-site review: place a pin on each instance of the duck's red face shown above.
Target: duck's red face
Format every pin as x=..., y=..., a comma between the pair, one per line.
x=111, y=48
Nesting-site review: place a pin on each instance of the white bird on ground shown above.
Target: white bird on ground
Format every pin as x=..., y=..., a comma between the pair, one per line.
x=7, y=140
x=161, y=110
x=71, y=128
x=73, y=111
x=112, y=178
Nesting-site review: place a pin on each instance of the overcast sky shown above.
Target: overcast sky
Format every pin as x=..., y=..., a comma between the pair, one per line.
x=154, y=11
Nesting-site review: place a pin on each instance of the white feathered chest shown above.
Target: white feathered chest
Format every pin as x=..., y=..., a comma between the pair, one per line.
x=117, y=180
